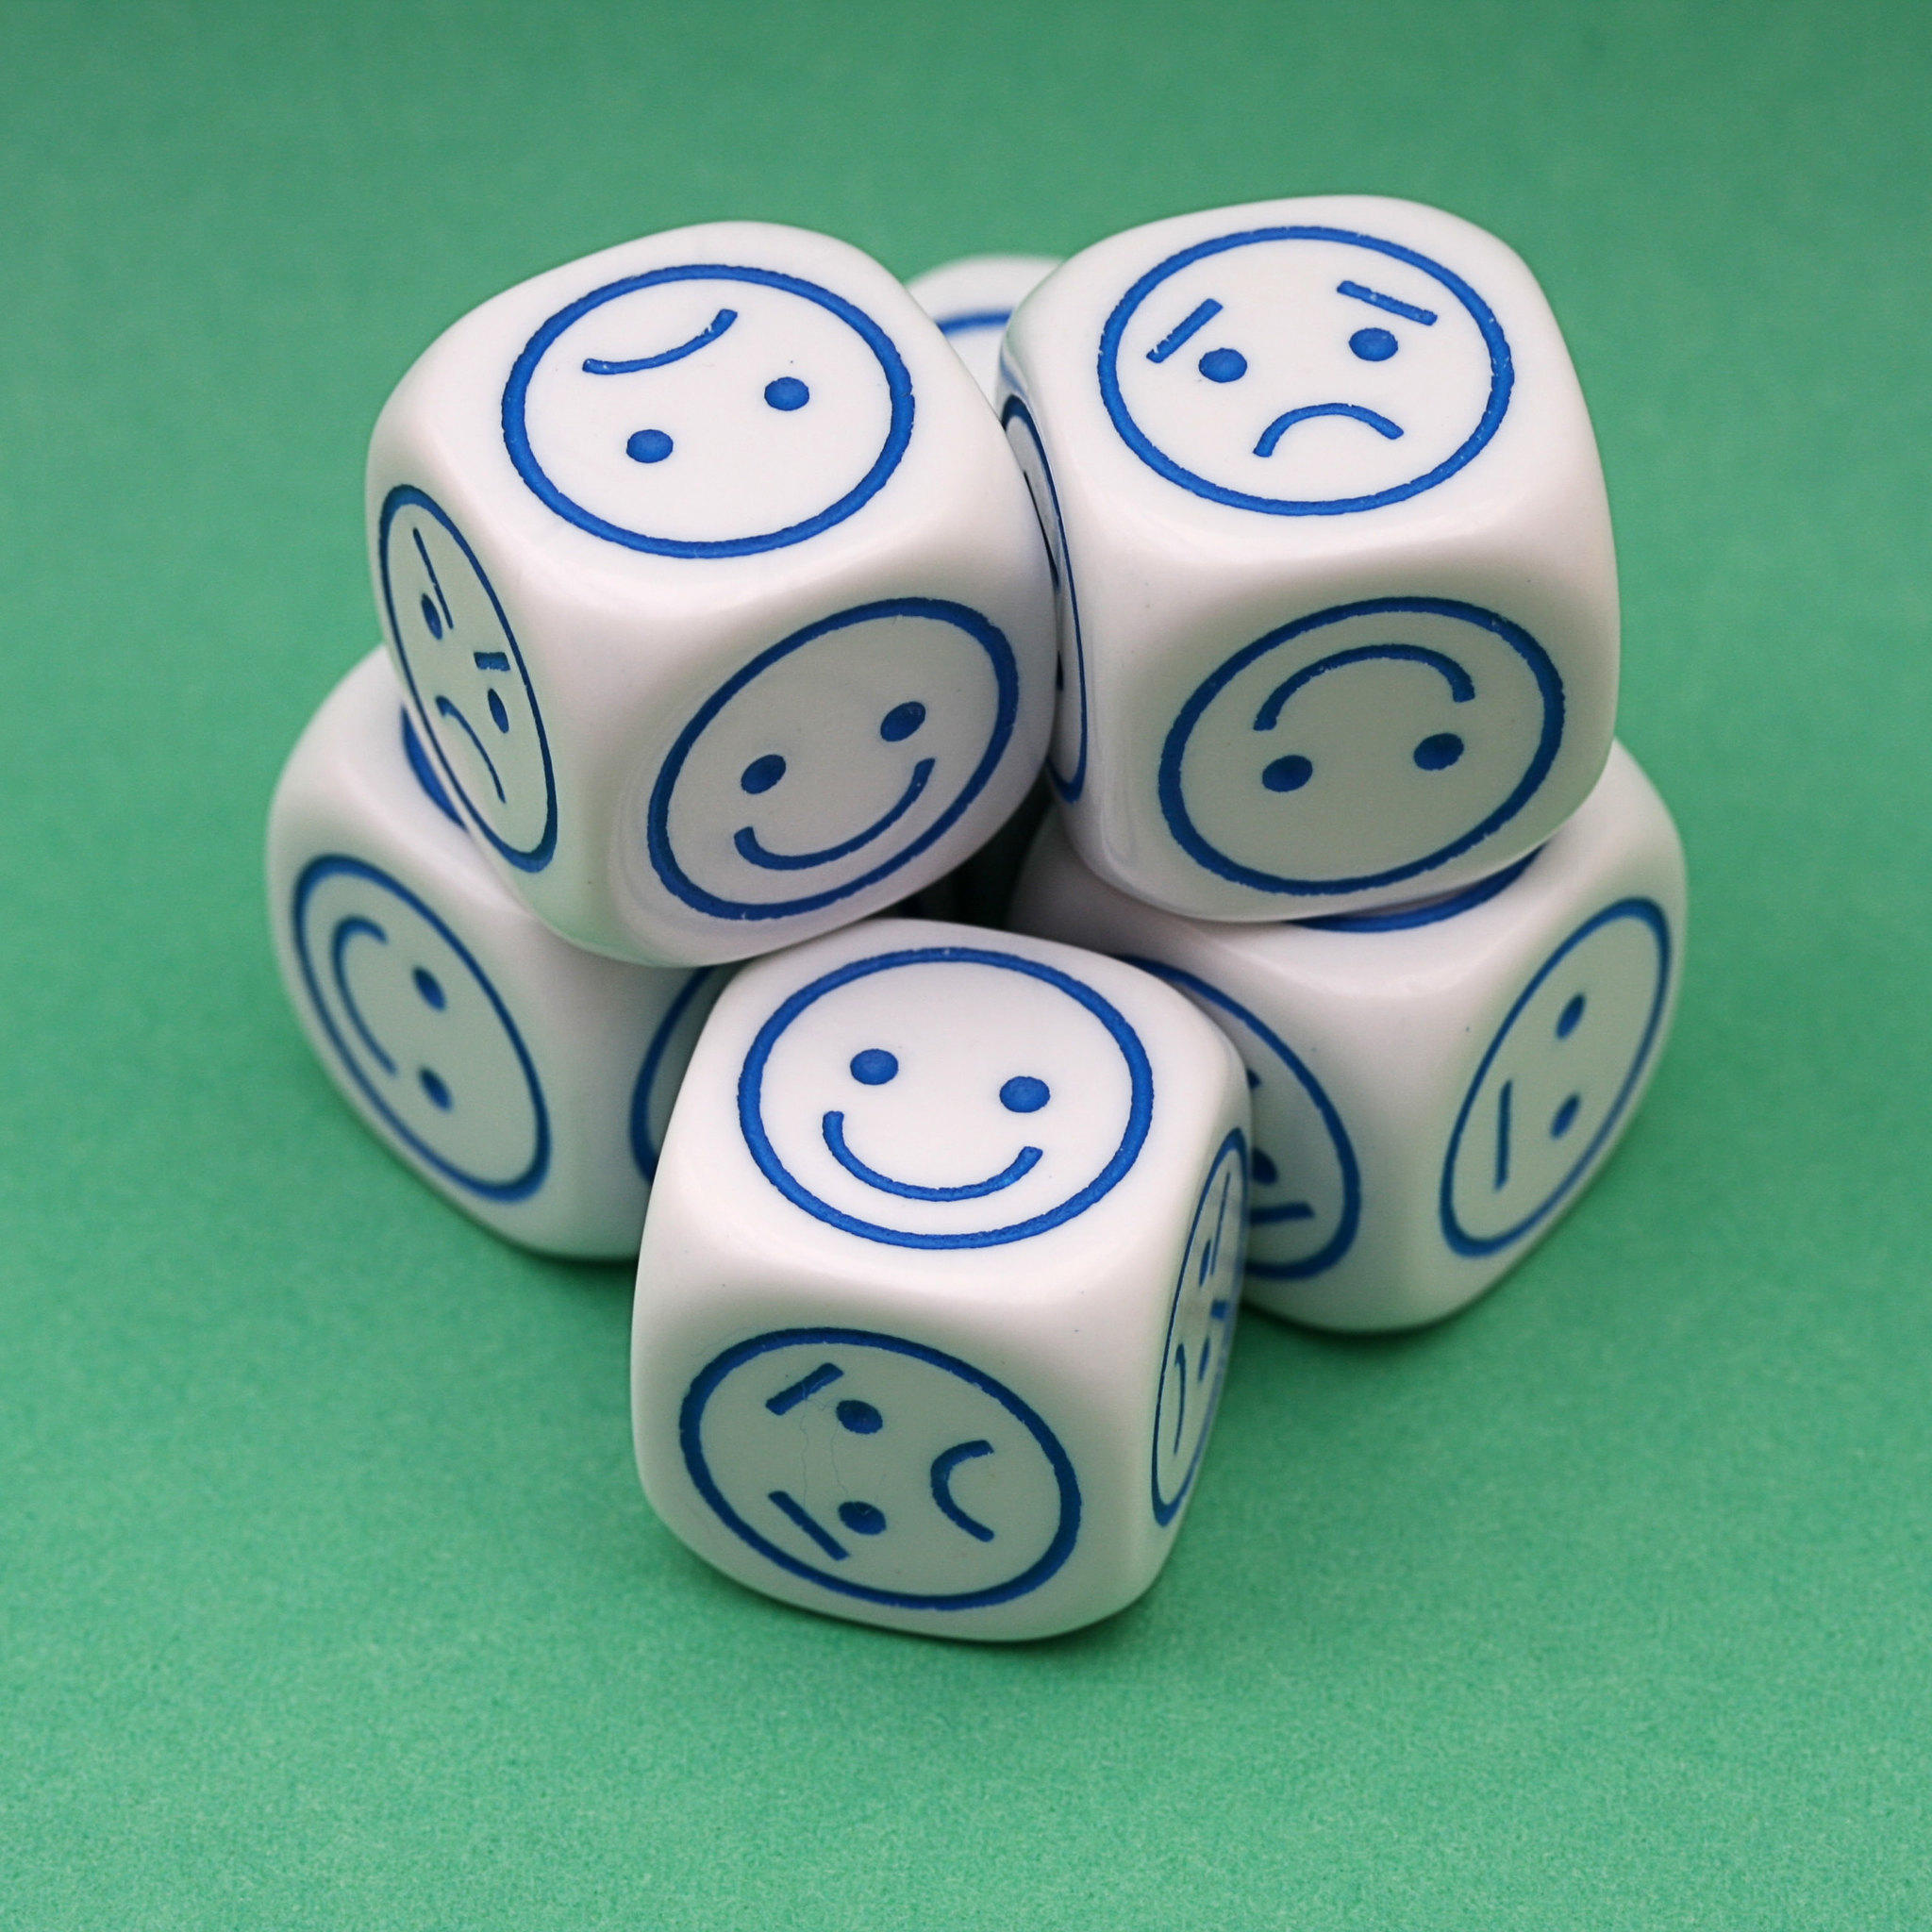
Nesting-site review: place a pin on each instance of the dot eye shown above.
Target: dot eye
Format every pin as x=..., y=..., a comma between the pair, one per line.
x=1373, y=344
x=1566, y=1117
x=786, y=393
x=902, y=720
x=861, y=1417
x=1022, y=1093
x=873, y=1066
x=862, y=1519
x=647, y=446
x=762, y=774
x=1439, y=753
x=498, y=715
x=430, y=989
x=1264, y=1169
x=432, y=617
x=433, y=1088
x=1223, y=365
x=1287, y=775
x=1567, y=1018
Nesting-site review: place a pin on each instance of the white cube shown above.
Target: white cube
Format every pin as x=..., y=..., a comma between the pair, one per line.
x=724, y=609
x=972, y=299
x=1433, y=1085
x=1338, y=595
x=528, y=1082
x=938, y=1279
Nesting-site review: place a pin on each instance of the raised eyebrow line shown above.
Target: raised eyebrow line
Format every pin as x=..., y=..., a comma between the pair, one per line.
x=1183, y=329
x=492, y=660
x=724, y=318
x=449, y=622
x=1406, y=310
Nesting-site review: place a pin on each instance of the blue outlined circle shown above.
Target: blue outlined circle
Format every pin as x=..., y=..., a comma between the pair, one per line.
x=1502, y=374
x=984, y=633
x=898, y=435
x=1405, y=918
x=1648, y=913
x=525, y=859
x=1140, y=1106
x=1235, y=1146
x=519, y=1186
x=1339, y=1243
x=1062, y=563
x=1187, y=835
x=691, y=1421
x=641, y=1151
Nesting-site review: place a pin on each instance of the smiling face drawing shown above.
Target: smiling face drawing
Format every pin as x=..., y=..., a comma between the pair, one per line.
x=831, y=759
x=1361, y=746
x=419, y=1029
x=707, y=411
x=881, y=1468
x=1303, y=371
x=462, y=666
x=945, y=1097
x=1556, y=1078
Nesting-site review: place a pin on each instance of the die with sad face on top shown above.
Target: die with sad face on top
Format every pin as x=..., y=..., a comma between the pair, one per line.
x=526, y=1081
x=938, y=1279
x=1434, y=1085
x=1337, y=593
x=726, y=615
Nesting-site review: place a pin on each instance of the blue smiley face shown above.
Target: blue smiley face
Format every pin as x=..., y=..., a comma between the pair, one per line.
x=832, y=759
x=707, y=411
x=1303, y=371
x=1558, y=1078
x=419, y=1029
x=1361, y=747
x=463, y=669
x=880, y=1469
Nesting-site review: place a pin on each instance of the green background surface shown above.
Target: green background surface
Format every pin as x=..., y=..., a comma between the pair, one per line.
x=327, y=1596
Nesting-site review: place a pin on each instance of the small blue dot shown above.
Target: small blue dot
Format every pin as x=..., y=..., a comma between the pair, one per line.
x=1253, y=1078
x=1566, y=1114
x=1287, y=775
x=902, y=720
x=1439, y=753
x=1223, y=365
x=1567, y=1018
x=786, y=393
x=861, y=1417
x=648, y=446
x=498, y=714
x=1373, y=344
x=762, y=774
x=862, y=1519
x=431, y=989
x=1264, y=1168
x=1022, y=1093
x=432, y=1085
x=875, y=1066
x=432, y=617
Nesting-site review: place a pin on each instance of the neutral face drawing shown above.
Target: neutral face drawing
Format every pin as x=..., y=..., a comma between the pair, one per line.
x=707, y=411
x=1303, y=371
x=945, y=1097
x=880, y=1468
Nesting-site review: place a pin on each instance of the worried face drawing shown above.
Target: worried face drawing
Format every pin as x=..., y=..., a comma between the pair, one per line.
x=945, y=1097
x=707, y=411
x=1304, y=372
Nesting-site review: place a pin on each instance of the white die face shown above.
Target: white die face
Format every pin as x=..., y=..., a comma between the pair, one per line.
x=707, y=411
x=972, y=299
x=1303, y=371
x=880, y=1468
x=1555, y=1079
x=467, y=675
x=832, y=758
x=945, y=1097
x=419, y=1029
x=1362, y=746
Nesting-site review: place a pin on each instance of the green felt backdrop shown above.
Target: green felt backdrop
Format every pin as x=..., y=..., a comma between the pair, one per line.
x=328, y=1597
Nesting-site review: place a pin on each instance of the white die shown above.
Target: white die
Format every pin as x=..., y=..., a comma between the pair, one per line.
x=938, y=1279
x=1433, y=1085
x=528, y=1081
x=1338, y=596
x=725, y=612
x=971, y=300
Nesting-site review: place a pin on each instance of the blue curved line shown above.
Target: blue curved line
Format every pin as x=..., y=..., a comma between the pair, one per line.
x=1288, y=418
x=970, y=320
x=654, y=1055
x=1404, y=918
x=425, y=774
x=1461, y=685
x=943, y=1464
x=448, y=710
x=724, y=318
x=1022, y=1164
x=748, y=847
x=347, y=930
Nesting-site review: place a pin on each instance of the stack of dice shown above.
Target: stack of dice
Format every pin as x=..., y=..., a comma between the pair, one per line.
x=726, y=621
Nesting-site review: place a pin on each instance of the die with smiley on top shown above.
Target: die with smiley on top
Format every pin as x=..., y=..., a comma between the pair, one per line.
x=938, y=1279
x=1338, y=600
x=724, y=613
x=1434, y=1085
x=523, y=1079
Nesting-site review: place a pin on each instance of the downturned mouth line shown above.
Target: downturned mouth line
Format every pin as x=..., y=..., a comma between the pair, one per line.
x=1288, y=418
x=446, y=709
x=748, y=847
x=1022, y=1164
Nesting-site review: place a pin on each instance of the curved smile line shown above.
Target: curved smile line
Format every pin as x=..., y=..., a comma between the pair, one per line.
x=349, y=929
x=1288, y=418
x=748, y=847
x=596, y=365
x=447, y=709
x=1022, y=1164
